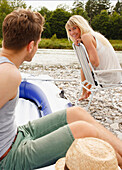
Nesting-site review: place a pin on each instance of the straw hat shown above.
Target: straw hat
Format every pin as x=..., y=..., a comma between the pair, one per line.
x=89, y=154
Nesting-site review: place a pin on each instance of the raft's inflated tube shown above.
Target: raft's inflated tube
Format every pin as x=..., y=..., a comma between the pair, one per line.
x=33, y=93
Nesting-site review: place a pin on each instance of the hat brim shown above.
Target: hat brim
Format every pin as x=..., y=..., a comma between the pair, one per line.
x=60, y=164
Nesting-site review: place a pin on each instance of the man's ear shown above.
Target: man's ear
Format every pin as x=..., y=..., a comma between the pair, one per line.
x=30, y=46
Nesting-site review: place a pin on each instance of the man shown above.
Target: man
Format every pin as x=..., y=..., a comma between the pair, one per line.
x=40, y=142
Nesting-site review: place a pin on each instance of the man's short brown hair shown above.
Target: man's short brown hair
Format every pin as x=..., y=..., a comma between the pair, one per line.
x=21, y=27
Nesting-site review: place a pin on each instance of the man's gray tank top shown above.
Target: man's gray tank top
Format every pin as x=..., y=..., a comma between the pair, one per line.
x=8, y=127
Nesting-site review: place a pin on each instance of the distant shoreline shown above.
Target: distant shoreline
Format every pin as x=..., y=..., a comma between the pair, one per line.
x=54, y=43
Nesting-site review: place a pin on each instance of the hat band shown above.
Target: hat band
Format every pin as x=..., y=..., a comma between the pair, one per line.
x=65, y=167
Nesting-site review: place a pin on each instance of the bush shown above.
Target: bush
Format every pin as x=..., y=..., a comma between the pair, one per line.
x=55, y=43
x=54, y=37
x=65, y=44
x=0, y=43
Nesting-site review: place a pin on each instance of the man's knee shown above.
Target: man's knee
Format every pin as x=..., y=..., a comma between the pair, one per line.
x=81, y=129
x=76, y=110
x=76, y=114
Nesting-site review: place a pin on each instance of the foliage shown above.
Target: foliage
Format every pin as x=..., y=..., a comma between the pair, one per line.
x=64, y=7
x=17, y=4
x=79, y=10
x=101, y=23
x=117, y=44
x=77, y=5
x=45, y=12
x=94, y=7
x=116, y=26
x=6, y=7
x=0, y=43
x=55, y=43
x=54, y=37
x=47, y=29
x=57, y=22
x=4, y=10
x=103, y=5
x=118, y=7
x=101, y=16
x=90, y=8
x=65, y=44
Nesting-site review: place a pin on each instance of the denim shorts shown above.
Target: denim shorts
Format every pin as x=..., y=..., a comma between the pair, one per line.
x=39, y=143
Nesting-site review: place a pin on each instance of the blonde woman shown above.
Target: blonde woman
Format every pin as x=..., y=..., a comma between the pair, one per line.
x=100, y=51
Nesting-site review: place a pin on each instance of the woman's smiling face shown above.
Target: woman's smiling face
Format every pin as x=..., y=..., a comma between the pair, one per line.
x=74, y=32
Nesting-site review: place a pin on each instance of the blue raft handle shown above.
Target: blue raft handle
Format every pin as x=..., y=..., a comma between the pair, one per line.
x=33, y=93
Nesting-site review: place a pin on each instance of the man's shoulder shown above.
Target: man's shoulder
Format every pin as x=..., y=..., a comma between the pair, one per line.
x=9, y=71
x=10, y=80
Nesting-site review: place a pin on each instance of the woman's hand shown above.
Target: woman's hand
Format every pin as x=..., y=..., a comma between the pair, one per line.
x=76, y=42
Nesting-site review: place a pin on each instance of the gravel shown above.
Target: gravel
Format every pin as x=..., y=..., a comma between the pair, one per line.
x=101, y=107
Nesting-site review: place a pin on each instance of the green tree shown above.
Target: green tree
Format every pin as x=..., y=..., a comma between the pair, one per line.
x=5, y=9
x=79, y=9
x=103, y=5
x=57, y=22
x=101, y=23
x=77, y=4
x=90, y=7
x=118, y=7
x=94, y=7
x=64, y=7
x=18, y=3
x=47, y=30
x=116, y=26
x=45, y=12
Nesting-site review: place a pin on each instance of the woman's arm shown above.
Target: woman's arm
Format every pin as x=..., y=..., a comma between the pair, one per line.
x=90, y=45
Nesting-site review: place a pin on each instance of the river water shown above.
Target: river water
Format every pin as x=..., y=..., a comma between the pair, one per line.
x=59, y=57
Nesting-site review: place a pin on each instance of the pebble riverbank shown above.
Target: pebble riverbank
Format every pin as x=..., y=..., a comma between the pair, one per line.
x=101, y=107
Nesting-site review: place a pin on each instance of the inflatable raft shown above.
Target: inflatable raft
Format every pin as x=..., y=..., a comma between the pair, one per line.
x=38, y=98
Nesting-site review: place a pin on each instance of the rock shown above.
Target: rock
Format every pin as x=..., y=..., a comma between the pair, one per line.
x=108, y=120
x=114, y=126
x=119, y=134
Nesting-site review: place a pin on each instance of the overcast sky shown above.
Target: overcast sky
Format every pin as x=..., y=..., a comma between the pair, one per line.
x=51, y=5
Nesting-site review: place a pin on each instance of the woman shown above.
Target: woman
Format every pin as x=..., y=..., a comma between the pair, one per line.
x=100, y=51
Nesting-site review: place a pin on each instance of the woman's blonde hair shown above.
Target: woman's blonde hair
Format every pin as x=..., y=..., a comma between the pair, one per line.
x=84, y=27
